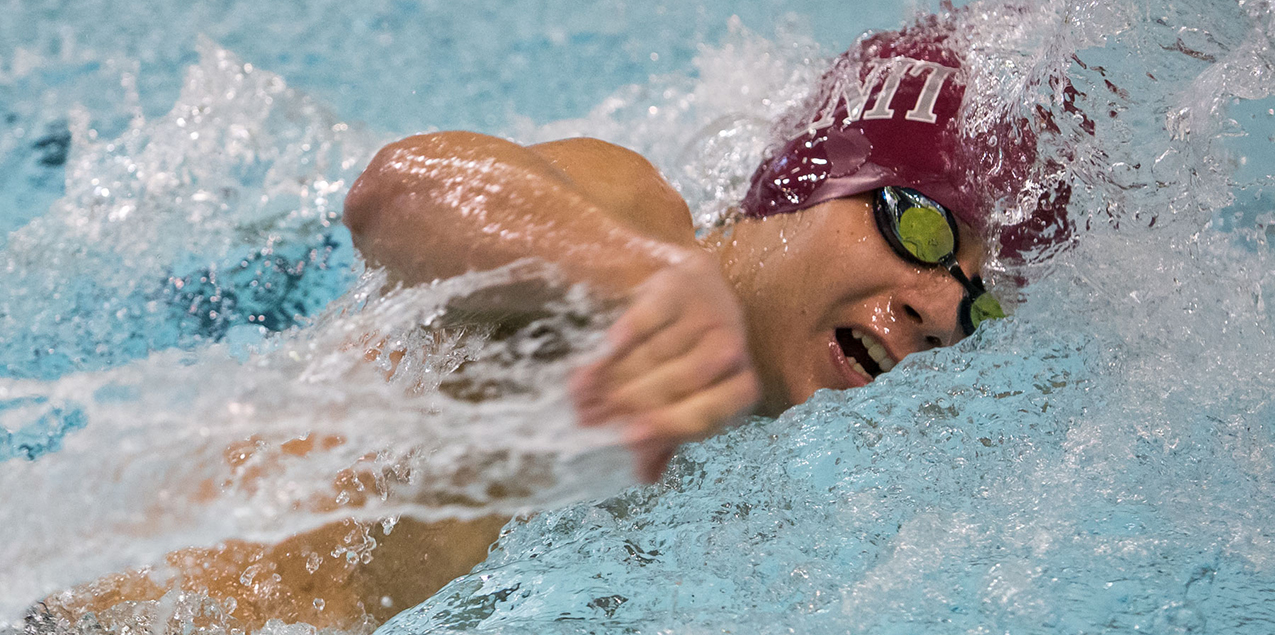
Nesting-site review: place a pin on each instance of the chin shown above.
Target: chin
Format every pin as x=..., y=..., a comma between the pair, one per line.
x=778, y=399
x=772, y=407
x=783, y=390
x=791, y=396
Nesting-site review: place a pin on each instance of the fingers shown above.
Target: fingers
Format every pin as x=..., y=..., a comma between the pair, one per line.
x=678, y=368
x=651, y=332
x=714, y=357
x=655, y=437
x=685, y=420
x=594, y=385
x=669, y=321
x=671, y=342
x=685, y=399
x=656, y=307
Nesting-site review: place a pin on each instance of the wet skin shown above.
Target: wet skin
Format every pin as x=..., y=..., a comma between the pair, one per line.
x=802, y=276
x=714, y=327
x=745, y=320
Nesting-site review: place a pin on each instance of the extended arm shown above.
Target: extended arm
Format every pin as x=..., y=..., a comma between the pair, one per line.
x=439, y=205
x=434, y=206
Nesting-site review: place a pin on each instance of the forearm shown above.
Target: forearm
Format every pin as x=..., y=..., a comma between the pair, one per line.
x=435, y=206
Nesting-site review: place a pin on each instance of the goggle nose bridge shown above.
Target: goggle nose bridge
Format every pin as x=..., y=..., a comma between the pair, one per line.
x=889, y=210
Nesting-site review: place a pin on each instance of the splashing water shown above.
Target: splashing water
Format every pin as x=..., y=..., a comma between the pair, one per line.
x=1101, y=461
x=135, y=472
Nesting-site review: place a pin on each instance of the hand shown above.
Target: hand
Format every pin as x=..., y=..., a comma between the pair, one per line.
x=679, y=367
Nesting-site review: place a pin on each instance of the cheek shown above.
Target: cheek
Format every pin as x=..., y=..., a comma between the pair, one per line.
x=864, y=270
x=780, y=364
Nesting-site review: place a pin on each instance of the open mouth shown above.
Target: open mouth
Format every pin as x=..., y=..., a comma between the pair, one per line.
x=865, y=354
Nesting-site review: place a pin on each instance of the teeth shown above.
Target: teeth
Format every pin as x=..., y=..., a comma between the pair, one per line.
x=858, y=368
x=875, y=350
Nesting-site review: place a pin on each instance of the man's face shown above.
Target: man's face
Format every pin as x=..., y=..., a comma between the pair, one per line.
x=830, y=305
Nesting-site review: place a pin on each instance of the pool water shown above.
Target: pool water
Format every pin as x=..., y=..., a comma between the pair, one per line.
x=176, y=280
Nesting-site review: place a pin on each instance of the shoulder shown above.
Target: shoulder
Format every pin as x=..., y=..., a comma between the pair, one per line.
x=624, y=184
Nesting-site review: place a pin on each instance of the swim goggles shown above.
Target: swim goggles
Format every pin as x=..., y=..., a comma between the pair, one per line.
x=923, y=232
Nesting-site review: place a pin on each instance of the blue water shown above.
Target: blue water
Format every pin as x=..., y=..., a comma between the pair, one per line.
x=1099, y=463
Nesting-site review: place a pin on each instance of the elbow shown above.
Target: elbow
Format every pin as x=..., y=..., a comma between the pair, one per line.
x=368, y=198
x=358, y=206
x=386, y=179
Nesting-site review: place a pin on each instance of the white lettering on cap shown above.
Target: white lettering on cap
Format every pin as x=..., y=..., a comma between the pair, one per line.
x=922, y=111
x=881, y=109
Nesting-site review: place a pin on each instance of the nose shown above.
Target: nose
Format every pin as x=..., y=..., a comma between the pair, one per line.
x=931, y=307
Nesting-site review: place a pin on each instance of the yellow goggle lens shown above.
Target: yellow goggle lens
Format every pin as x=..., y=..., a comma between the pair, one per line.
x=985, y=307
x=926, y=234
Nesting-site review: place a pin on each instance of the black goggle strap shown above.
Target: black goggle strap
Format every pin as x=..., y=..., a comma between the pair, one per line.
x=892, y=203
x=972, y=287
x=977, y=305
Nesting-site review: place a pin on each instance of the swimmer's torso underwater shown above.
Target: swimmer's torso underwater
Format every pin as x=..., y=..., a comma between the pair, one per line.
x=541, y=323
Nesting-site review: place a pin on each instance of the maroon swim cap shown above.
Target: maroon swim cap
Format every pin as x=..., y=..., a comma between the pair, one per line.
x=888, y=114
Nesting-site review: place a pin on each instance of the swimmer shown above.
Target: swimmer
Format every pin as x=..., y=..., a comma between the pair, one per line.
x=860, y=241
